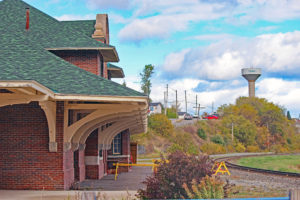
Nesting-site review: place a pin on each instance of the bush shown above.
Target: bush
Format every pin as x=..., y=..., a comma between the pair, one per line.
x=252, y=149
x=183, y=142
x=217, y=139
x=212, y=148
x=240, y=148
x=167, y=182
x=208, y=188
x=201, y=133
x=160, y=124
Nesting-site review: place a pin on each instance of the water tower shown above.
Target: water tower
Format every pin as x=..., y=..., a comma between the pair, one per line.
x=251, y=74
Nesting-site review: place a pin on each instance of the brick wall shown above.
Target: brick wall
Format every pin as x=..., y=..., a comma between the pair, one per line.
x=87, y=60
x=25, y=160
x=91, y=149
x=81, y=165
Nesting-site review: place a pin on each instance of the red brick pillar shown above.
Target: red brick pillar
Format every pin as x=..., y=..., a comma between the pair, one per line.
x=92, y=156
x=81, y=162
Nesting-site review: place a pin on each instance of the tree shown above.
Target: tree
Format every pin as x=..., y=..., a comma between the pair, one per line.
x=145, y=79
x=288, y=115
x=124, y=84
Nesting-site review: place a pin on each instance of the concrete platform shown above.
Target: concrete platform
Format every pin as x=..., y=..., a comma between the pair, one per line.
x=126, y=181
x=126, y=185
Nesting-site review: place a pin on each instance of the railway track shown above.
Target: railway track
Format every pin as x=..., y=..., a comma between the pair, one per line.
x=257, y=170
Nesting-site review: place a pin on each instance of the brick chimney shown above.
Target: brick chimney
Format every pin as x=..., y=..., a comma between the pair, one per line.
x=101, y=28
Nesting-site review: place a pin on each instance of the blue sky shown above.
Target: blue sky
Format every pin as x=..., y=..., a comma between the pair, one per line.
x=201, y=45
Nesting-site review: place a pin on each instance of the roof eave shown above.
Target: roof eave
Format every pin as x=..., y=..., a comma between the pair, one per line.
x=109, y=53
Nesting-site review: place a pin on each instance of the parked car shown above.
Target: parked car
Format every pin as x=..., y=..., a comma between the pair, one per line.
x=188, y=116
x=211, y=117
x=196, y=116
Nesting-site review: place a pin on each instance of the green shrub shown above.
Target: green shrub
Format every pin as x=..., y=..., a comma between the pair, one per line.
x=160, y=124
x=167, y=182
x=183, y=142
x=208, y=188
x=212, y=148
x=217, y=139
x=201, y=133
x=240, y=148
x=252, y=149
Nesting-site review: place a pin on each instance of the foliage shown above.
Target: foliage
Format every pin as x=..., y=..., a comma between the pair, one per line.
x=288, y=115
x=212, y=148
x=167, y=182
x=208, y=188
x=183, y=141
x=257, y=122
x=160, y=124
x=201, y=133
x=217, y=139
x=252, y=149
x=124, y=83
x=171, y=113
x=145, y=79
x=240, y=148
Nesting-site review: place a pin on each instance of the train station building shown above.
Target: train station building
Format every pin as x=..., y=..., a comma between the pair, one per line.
x=62, y=119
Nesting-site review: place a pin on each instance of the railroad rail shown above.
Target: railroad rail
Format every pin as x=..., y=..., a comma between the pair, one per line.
x=258, y=170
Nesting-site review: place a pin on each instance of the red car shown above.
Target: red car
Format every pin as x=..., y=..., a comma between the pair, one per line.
x=211, y=117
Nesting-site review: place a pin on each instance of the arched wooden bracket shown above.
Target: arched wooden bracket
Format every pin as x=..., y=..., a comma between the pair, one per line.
x=49, y=108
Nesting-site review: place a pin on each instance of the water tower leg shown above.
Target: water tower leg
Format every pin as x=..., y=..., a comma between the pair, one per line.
x=251, y=85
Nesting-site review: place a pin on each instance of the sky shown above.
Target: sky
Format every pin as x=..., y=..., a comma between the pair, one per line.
x=200, y=46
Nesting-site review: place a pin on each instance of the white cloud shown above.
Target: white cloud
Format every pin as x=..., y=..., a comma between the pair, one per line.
x=159, y=19
x=103, y=4
x=213, y=37
x=174, y=61
x=270, y=10
x=75, y=17
x=173, y=16
x=274, y=53
x=281, y=92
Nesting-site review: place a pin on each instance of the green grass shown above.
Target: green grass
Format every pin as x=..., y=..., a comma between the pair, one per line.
x=289, y=163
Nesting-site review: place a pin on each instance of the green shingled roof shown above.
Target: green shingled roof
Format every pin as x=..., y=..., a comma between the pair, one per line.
x=87, y=27
x=23, y=55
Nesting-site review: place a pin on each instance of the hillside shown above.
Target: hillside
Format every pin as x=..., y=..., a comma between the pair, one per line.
x=249, y=125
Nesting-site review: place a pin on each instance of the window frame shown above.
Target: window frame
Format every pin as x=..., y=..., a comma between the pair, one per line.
x=118, y=139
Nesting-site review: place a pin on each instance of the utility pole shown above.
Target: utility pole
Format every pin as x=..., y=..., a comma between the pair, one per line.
x=198, y=112
x=232, y=131
x=185, y=101
x=196, y=104
x=165, y=100
x=176, y=104
x=212, y=108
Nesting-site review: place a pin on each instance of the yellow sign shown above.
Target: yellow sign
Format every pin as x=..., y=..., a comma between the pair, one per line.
x=220, y=167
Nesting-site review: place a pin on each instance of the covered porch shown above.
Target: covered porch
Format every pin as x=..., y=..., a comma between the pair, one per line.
x=76, y=141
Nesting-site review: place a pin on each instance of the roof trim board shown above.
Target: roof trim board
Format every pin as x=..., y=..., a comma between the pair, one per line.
x=70, y=97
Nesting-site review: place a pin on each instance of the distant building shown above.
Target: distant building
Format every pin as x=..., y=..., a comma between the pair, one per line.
x=155, y=108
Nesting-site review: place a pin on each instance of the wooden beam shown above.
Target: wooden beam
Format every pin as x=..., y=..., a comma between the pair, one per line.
x=11, y=99
x=49, y=108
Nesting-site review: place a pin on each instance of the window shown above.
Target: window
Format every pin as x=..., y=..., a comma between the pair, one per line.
x=117, y=144
x=100, y=153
